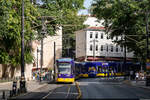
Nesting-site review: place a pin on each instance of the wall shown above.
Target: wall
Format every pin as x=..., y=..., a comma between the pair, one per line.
x=104, y=42
x=80, y=43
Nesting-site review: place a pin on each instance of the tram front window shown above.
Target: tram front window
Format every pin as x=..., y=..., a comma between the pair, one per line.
x=64, y=68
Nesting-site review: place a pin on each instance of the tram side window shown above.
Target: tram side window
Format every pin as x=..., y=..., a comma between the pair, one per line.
x=103, y=69
x=119, y=68
x=83, y=70
x=99, y=69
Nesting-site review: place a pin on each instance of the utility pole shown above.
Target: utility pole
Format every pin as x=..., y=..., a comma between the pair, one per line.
x=147, y=34
x=94, y=49
x=37, y=58
x=68, y=48
x=43, y=32
x=54, y=61
x=147, y=47
x=22, y=81
x=125, y=52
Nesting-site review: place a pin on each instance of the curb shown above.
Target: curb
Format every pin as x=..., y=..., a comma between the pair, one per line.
x=23, y=94
x=4, y=83
x=129, y=83
x=79, y=91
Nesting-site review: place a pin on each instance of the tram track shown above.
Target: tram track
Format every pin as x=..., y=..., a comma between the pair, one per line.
x=65, y=91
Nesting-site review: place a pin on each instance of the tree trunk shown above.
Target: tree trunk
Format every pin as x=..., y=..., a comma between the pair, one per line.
x=4, y=70
x=12, y=71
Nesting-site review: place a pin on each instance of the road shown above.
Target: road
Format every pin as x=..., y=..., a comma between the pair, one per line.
x=52, y=91
x=100, y=88
x=91, y=88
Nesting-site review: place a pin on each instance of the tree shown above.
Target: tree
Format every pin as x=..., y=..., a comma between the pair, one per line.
x=64, y=13
x=125, y=17
x=10, y=39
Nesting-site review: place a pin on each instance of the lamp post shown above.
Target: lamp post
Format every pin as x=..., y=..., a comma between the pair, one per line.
x=22, y=81
x=37, y=58
x=125, y=52
x=147, y=34
x=43, y=32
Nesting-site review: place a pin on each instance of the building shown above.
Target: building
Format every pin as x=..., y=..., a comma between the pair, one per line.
x=93, y=44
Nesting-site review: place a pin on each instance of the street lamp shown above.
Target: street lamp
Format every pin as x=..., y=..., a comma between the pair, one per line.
x=43, y=32
x=37, y=58
x=22, y=81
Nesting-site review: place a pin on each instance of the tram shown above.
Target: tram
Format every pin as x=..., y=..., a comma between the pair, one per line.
x=91, y=69
x=66, y=70
x=81, y=70
x=103, y=69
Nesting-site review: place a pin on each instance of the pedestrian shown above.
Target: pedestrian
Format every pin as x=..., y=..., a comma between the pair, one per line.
x=131, y=74
x=112, y=73
x=108, y=71
x=137, y=76
x=104, y=72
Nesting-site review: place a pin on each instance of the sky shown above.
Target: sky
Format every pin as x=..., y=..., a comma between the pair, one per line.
x=87, y=4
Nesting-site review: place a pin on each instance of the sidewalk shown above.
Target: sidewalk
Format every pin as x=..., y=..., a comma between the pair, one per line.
x=139, y=83
x=30, y=85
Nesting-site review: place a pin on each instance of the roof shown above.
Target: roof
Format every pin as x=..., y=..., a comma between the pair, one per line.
x=91, y=28
x=96, y=28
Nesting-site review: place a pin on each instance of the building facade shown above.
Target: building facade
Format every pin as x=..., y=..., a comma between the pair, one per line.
x=93, y=44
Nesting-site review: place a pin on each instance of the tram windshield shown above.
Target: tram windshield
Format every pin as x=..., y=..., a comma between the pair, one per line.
x=64, y=68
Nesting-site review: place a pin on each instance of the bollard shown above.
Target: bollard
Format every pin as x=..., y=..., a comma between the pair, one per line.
x=14, y=88
x=10, y=93
x=3, y=97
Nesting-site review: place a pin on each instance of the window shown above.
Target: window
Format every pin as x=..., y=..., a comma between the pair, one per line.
x=96, y=35
x=96, y=47
x=112, y=38
x=121, y=37
x=107, y=37
x=121, y=49
x=90, y=34
x=111, y=48
x=101, y=47
x=116, y=48
x=116, y=37
x=91, y=48
x=107, y=48
x=102, y=36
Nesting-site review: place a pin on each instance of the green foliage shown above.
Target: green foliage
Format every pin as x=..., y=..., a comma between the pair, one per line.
x=10, y=30
x=125, y=17
x=64, y=13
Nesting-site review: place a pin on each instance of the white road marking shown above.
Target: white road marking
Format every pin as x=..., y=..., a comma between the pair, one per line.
x=68, y=91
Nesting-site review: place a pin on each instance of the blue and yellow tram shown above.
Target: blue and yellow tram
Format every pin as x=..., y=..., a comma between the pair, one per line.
x=91, y=69
x=103, y=69
x=66, y=67
x=81, y=70
x=85, y=69
x=106, y=69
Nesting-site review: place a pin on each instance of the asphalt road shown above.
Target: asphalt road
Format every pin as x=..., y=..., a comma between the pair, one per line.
x=100, y=88
x=52, y=91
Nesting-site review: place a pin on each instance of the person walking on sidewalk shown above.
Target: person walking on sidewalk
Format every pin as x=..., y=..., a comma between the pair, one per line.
x=137, y=76
x=131, y=75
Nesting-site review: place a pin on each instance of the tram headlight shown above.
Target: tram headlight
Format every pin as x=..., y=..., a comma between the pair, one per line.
x=59, y=75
